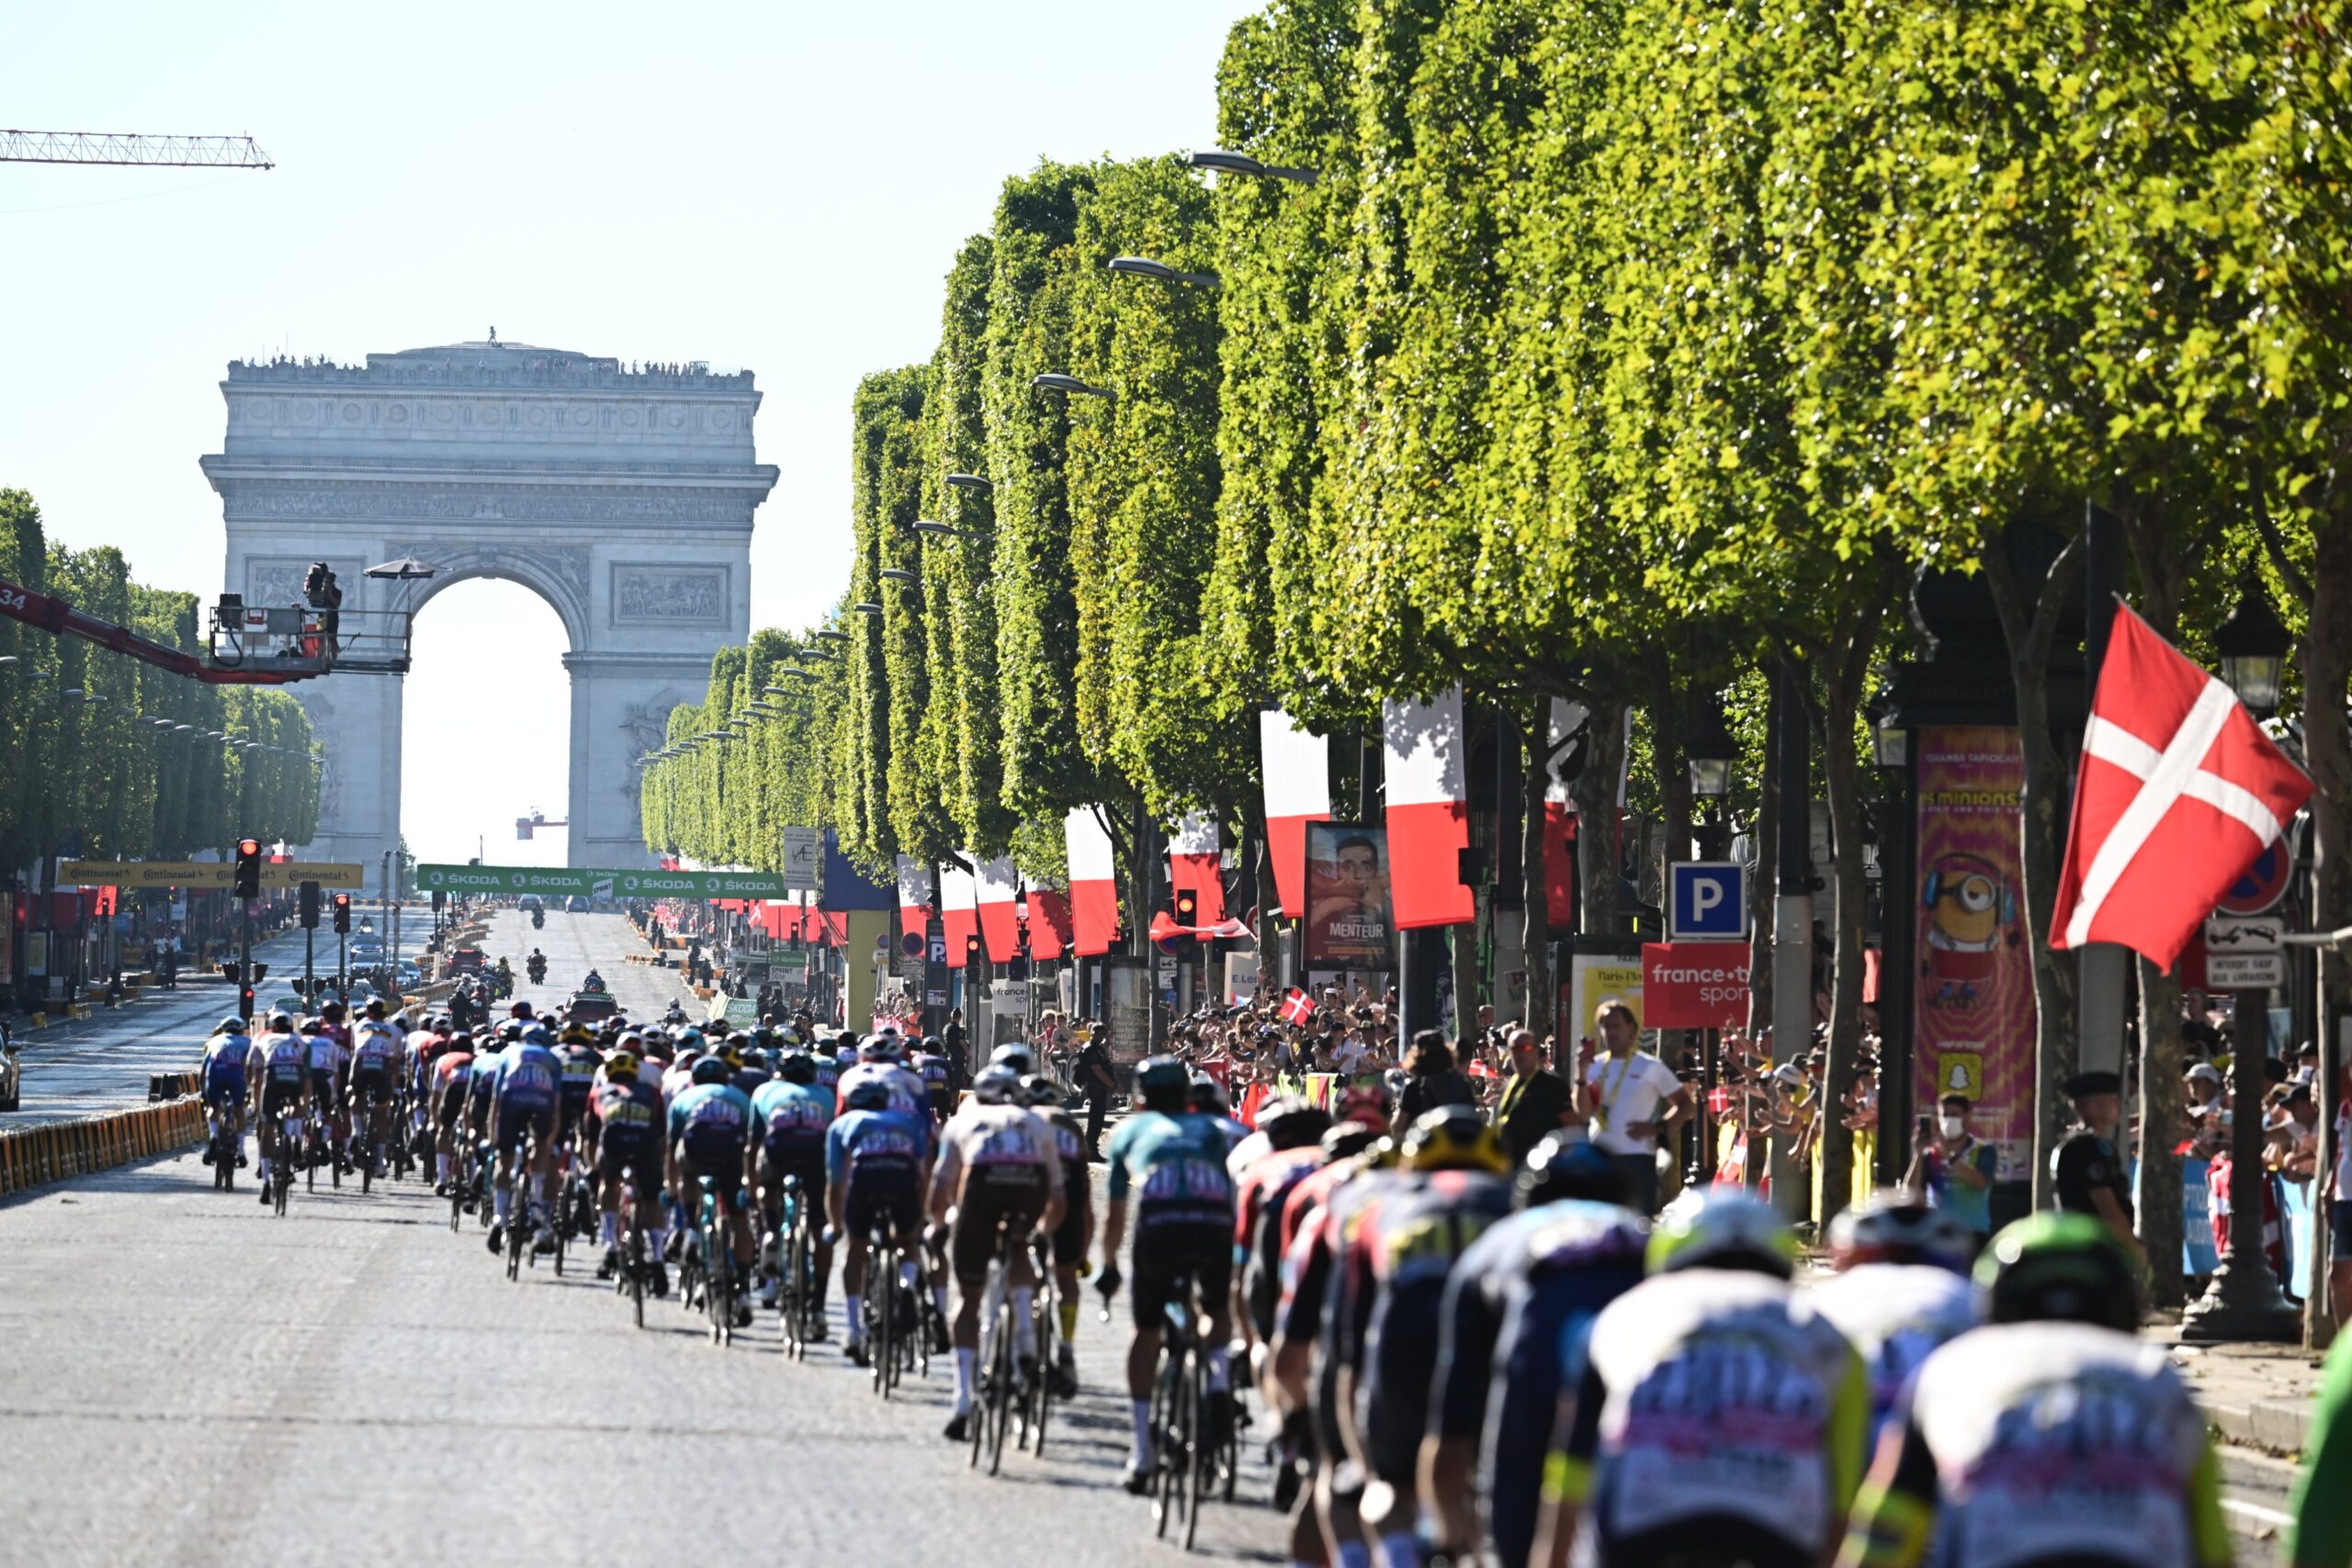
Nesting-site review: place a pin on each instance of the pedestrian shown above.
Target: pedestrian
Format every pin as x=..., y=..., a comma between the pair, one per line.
x=2086, y=1168
x=1538, y=1102
x=1430, y=1079
x=1098, y=1083
x=1953, y=1168
x=1632, y=1102
x=954, y=1038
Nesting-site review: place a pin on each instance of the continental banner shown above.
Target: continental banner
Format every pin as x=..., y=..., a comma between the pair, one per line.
x=205, y=874
x=598, y=882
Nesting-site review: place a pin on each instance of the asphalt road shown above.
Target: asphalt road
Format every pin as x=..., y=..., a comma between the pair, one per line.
x=2254, y=1501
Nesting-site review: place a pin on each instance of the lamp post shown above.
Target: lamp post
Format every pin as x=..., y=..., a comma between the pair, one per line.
x=1709, y=751
x=2243, y=1302
x=1890, y=748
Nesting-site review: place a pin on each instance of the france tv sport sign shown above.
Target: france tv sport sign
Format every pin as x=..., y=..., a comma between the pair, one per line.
x=1706, y=901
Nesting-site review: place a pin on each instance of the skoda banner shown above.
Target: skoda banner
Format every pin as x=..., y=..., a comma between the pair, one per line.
x=598, y=882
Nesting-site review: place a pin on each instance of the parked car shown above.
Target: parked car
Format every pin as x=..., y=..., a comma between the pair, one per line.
x=576, y=905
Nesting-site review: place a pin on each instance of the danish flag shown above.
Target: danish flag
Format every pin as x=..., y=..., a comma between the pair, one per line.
x=1298, y=1008
x=2179, y=792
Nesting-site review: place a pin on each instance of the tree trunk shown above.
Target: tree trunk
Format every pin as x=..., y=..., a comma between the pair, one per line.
x=1761, y=886
x=1469, y=985
x=2029, y=614
x=1847, y=664
x=1534, y=731
x=1669, y=711
x=2327, y=752
x=1595, y=791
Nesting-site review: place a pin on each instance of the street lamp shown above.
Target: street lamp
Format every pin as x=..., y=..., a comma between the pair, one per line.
x=1160, y=272
x=1054, y=381
x=968, y=481
x=2253, y=646
x=866, y=607
x=924, y=525
x=901, y=575
x=1225, y=163
x=407, y=569
x=832, y=636
x=1710, y=751
x=1889, y=741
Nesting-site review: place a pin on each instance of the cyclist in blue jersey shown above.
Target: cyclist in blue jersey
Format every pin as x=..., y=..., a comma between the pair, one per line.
x=526, y=1085
x=1901, y=1290
x=1171, y=1159
x=877, y=1162
x=225, y=1083
x=790, y=1116
x=938, y=1075
x=709, y=1129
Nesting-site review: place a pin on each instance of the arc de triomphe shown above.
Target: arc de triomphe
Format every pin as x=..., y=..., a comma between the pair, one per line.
x=622, y=497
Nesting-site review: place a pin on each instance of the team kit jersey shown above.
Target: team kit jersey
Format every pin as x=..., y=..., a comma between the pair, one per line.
x=907, y=1092
x=789, y=1121
x=712, y=1120
x=225, y=1058
x=1895, y=1315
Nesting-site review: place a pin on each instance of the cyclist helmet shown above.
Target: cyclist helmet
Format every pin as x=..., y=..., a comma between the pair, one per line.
x=732, y=1055
x=281, y=1021
x=797, y=1066
x=1013, y=1054
x=1455, y=1137
x=932, y=1045
x=1039, y=1090
x=739, y=1041
x=1206, y=1096
x=520, y=1009
x=877, y=1048
x=867, y=1095
x=1290, y=1124
x=1366, y=1104
x=710, y=1069
x=536, y=1034
x=1567, y=1164
x=1346, y=1138
x=231, y=1025
x=1727, y=1230
x=1164, y=1084
x=509, y=1032
x=997, y=1086
x=1894, y=1227
x=620, y=1065
x=2060, y=1268
x=576, y=1034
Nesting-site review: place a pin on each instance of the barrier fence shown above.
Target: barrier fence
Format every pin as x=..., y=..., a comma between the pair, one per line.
x=35, y=1157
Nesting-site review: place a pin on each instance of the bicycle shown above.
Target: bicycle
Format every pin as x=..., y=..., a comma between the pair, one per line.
x=363, y=1118
x=1046, y=1334
x=1182, y=1453
x=796, y=1295
x=881, y=1306
x=996, y=1358
x=290, y=1136
x=631, y=1276
x=713, y=1251
x=226, y=1147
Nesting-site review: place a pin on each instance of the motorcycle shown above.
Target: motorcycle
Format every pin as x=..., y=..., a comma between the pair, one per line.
x=539, y=971
x=538, y=918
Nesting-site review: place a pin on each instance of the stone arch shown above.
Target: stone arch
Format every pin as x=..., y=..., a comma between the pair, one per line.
x=558, y=575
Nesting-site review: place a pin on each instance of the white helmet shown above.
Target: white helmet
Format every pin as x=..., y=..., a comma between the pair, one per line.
x=997, y=1086
x=1724, y=1230
x=1896, y=1227
x=1013, y=1054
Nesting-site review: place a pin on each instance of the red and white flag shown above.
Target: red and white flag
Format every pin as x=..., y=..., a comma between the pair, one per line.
x=1298, y=769
x=1298, y=1008
x=2179, y=792
x=1049, y=931
x=959, y=909
x=1194, y=865
x=1000, y=922
x=1429, y=812
x=914, y=896
x=1164, y=927
x=1093, y=883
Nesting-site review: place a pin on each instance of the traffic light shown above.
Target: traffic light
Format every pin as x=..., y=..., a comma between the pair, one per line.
x=440, y=900
x=973, y=957
x=343, y=911
x=1188, y=906
x=309, y=906
x=248, y=868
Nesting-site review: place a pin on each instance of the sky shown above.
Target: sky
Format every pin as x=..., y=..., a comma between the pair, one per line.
x=776, y=188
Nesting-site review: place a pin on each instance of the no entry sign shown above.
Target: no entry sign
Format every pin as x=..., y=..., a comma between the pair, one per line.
x=1694, y=985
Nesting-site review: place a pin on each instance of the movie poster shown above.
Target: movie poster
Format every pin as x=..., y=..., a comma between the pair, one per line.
x=1348, y=922
x=1973, y=1016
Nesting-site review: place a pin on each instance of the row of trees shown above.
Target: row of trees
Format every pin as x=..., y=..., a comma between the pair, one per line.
x=1619, y=350
x=80, y=777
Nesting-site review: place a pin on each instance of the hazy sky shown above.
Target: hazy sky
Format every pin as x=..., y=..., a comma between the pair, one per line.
x=777, y=187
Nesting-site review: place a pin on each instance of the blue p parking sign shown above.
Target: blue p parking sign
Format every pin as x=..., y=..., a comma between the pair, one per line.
x=1707, y=900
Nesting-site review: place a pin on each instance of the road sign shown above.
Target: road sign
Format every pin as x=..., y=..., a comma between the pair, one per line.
x=1707, y=901
x=594, y=881
x=804, y=860
x=2242, y=953
x=2263, y=884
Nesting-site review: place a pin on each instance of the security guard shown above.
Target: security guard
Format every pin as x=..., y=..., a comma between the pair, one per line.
x=2088, y=1168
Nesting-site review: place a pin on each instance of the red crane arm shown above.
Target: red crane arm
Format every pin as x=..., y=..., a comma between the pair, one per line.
x=54, y=614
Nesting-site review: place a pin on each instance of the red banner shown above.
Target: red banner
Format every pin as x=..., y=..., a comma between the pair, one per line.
x=1694, y=985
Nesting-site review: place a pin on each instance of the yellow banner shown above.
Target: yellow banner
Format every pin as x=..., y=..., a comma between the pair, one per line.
x=194, y=873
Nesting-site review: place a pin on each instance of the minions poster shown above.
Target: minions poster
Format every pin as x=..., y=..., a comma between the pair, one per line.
x=1973, y=1025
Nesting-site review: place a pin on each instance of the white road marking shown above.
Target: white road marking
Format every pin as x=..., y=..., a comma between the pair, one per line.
x=2257, y=1511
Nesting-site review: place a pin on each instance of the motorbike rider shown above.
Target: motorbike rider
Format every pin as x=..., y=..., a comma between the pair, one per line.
x=537, y=965
x=592, y=981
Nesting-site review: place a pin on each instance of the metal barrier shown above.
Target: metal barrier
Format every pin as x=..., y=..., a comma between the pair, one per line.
x=36, y=1156
x=174, y=1085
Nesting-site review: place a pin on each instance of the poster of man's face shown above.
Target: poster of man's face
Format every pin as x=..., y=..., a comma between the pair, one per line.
x=1348, y=921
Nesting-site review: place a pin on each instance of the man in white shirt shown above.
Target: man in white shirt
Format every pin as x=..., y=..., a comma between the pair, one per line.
x=1631, y=1101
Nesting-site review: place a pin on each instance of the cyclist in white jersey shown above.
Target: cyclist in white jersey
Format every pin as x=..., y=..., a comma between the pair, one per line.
x=1901, y=1289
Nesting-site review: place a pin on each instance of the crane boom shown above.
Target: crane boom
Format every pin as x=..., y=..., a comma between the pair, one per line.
x=112, y=147
x=54, y=614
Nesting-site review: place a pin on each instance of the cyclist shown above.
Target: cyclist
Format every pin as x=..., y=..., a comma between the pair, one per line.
x=323, y=1040
x=2052, y=1435
x=625, y=1118
x=999, y=1174
x=1516, y=1303
x=375, y=1061
x=225, y=1083
x=1901, y=1289
x=278, y=1077
x=1172, y=1159
x=938, y=1074
x=1720, y=1419
x=527, y=1085
x=452, y=1075
x=790, y=1116
x=1383, y=1315
x=708, y=1127
x=878, y=1061
x=1076, y=1232
x=826, y=1056
x=1206, y=1098
x=877, y=1158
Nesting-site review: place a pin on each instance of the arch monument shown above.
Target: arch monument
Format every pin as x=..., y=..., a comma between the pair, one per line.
x=621, y=496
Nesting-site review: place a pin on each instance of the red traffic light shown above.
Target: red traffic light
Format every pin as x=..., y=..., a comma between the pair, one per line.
x=248, y=847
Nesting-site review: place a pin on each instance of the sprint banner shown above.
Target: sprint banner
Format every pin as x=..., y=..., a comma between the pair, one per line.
x=598, y=882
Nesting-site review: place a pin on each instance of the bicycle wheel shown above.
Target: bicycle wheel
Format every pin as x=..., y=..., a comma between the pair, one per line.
x=515, y=1225
x=794, y=1290
x=999, y=1405
x=984, y=1364
x=1198, y=1451
x=1048, y=1339
x=457, y=1205
x=367, y=1149
x=1162, y=1426
x=881, y=1299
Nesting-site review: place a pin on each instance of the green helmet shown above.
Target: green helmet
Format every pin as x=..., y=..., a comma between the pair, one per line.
x=2061, y=1268
x=1727, y=1230
x=1163, y=1074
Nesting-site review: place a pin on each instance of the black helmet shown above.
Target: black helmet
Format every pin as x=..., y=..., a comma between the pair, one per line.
x=1566, y=1164
x=2060, y=1268
x=1290, y=1124
x=710, y=1069
x=870, y=1095
x=797, y=1066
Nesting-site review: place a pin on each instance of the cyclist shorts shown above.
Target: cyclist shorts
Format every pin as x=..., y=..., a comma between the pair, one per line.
x=1711, y=1541
x=224, y=1091
x=514, y=1120
x=1205, y=1251
x=636, y=1150
x=280, y=1098
x=323, y=1087
x=571, y=1107
x=809, y=1168
x=716, y=1154
x=988, y=1209
x=372, y=1080
x=1069, y=1236
x=452, y=1107
x=890, y=1200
